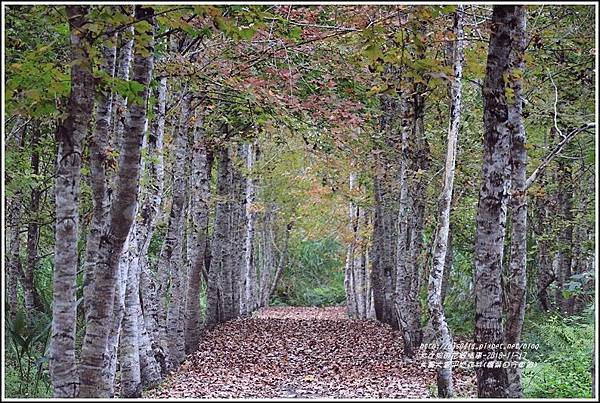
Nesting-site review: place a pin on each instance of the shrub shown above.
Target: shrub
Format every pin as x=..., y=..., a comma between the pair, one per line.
x=26, y=366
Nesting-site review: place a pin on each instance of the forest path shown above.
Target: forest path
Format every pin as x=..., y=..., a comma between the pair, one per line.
x=303, y=352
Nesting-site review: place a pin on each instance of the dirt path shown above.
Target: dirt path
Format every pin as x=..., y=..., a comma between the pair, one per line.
x=302, y=353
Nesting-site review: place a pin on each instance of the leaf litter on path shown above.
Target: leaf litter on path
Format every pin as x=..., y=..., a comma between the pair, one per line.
x=307, y=352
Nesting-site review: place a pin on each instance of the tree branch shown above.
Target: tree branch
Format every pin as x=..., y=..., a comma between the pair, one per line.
x=542, y=167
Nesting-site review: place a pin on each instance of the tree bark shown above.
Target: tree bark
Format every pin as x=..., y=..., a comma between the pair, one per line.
x=98, y=143
x=565, y=236
x=13, y=256
x=151, y=354
x=93, y=382
x=387, y=195
x=436, y=274
x=129, y=348
x=410, y=223
x=70, y=135
x=517, y=280
x=249, y=297
x=217, y=287
x=32, y=299
x=349, y=282
x=493, y=198
x=170, y=254
x=200, y=209
x=150, y=211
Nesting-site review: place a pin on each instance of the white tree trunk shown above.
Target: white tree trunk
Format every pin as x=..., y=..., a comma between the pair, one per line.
x=71, y=132
x=436, y=274
x=93, y=381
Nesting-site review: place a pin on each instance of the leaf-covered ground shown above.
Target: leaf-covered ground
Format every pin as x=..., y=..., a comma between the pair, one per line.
x=302, y=353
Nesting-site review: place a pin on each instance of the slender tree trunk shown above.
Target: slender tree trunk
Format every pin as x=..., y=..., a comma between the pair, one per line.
x=283, y=258
x=564, y=254
x=543, y=259
x=70, y=135
x=136, y=356
x=349, y=281
x=216, y=285
x=200, y=205
x=93, y=382
x=98, y=143
x=129, y=348
x=238, y=234
x=32, y=299
x=112, y=345
x=13, y=220
x=150, y=351
x=385, y=231
x=249, y=299
x=448, y=264
x=410, y=224
x=122, y=68
x=267, y=266
x=491, y=211
x=517, y=280
x=170, y=254
x=150, y=212
x=436, y=274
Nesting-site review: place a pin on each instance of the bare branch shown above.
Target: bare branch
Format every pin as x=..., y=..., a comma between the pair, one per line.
x=566, y=139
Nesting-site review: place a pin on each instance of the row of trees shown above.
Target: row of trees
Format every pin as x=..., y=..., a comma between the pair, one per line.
x=398, y=267
x=152, y=168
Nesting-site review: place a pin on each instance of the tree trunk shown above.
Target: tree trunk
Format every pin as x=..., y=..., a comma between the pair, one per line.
x=13, y=255
x=200, y=209
x=267, y=264
x=112, y=345
x=436, y=274
x=124, y=57
x=150, y=212
x=216, y=285
x=249, y=297
x=129, y=349
x=32, y=299
x=385, y=231
x=283, y=258
x=448, y=265
x=100, y=185
x=517, y=280
x=565, y=236
x=121, y=218
x=238, y=225
x=70, y=134
x=98, y=143
x=170, y=254
x=349, y=281
x=493, y=198
x=410, y=223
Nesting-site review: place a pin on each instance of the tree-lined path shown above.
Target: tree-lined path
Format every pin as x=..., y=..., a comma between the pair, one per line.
x=174, y=170
x=285, y=352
